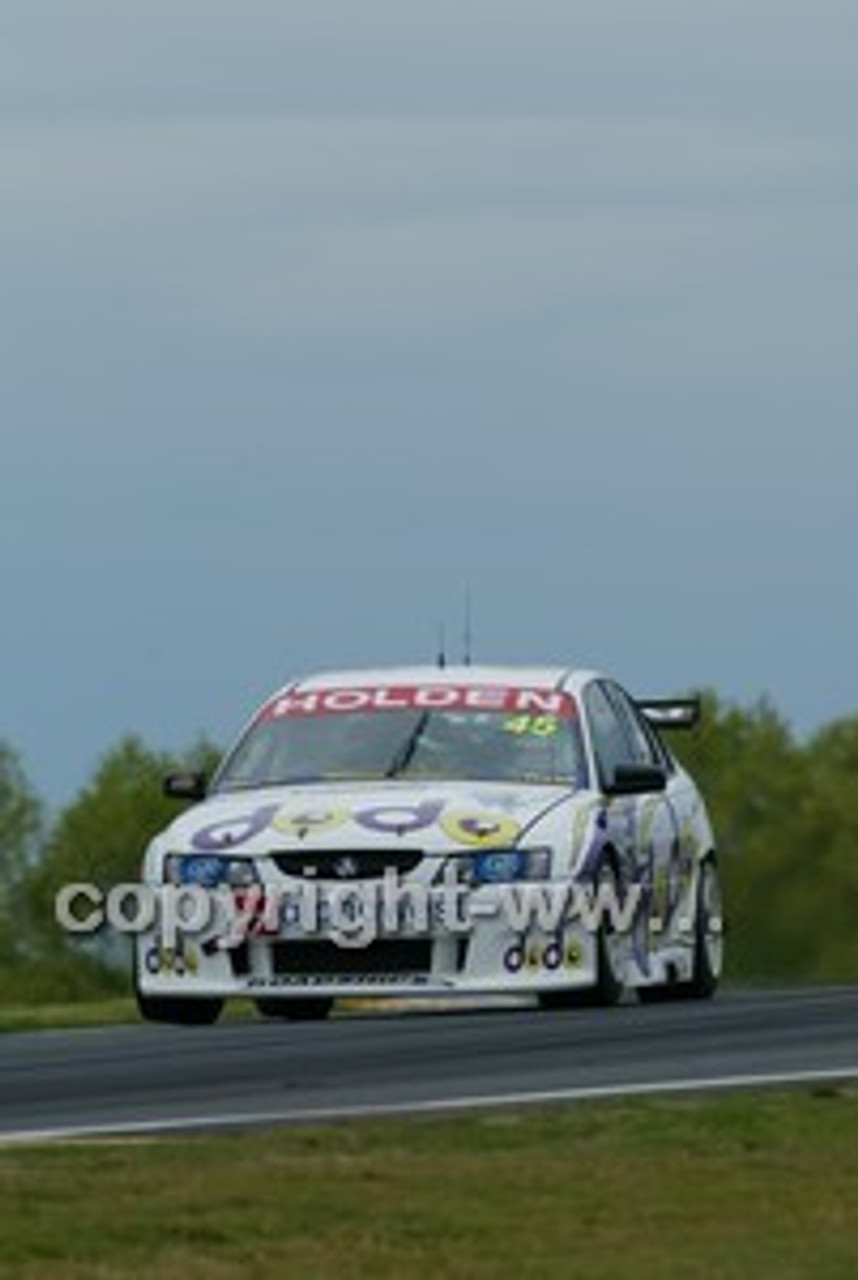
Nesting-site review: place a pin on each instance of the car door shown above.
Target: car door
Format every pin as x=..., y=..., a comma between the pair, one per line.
x=659, y=831
x=643, y=828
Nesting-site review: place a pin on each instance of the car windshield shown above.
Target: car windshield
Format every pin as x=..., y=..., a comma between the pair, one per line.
x=458, y=742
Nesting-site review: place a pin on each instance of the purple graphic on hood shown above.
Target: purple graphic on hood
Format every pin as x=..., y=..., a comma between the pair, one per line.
x=231, y=832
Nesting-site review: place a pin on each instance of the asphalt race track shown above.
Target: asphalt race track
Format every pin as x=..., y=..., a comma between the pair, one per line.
x=146, y=1078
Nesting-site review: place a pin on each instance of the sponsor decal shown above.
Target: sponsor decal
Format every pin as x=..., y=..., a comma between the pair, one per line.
x=177, y=961
x=551, y=957
x=539, y=706
x=479, y=830
x=305, y=822
x=231, y=832
x=473, y=828
x=399, y=819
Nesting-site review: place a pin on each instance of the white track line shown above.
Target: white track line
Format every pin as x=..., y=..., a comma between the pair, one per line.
x=323, y=1115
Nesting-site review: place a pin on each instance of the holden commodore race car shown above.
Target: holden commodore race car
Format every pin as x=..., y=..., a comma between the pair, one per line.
x=436, y=832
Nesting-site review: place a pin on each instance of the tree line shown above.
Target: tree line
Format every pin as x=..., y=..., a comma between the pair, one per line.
x=785, y=814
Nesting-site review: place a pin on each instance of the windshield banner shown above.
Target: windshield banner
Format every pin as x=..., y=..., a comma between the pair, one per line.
x=441, y=697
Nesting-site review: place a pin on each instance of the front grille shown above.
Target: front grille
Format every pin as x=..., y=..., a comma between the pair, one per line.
x=346, y=864
x=321, y=956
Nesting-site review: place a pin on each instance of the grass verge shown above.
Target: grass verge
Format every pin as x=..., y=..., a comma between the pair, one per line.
x=715, y=1187
x=79, y=1013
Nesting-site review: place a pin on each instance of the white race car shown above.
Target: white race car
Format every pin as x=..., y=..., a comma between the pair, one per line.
x=435, y=832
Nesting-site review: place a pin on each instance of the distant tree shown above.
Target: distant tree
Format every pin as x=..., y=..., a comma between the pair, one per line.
x=99, y=839
x=750, y=771
x=827, y=840
x=786, y=820
x=21, y=817
x=21, y=825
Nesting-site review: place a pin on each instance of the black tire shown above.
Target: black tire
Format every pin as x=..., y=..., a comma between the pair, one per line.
x=662, y=994
x=708, y=958
x=304, y=1009
x=708, y=935
x=608, y=988
x=182, y=1011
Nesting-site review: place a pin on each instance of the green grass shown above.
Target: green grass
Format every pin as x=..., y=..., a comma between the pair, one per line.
x=750, y=1185
x=81, y=1013
x=106, y=1012
x=112, y=1010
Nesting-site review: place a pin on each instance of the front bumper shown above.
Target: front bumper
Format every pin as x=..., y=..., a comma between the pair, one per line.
x=481, y=954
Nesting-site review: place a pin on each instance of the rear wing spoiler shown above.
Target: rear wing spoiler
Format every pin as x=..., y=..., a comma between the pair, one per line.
x=670, y=713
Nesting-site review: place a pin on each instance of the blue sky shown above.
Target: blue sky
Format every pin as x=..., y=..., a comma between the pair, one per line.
x=313, y=314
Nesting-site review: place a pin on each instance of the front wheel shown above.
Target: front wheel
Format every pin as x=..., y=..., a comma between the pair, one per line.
x=305, y=1009
x=708, y=935
x=180, y=1011
x=611, y=951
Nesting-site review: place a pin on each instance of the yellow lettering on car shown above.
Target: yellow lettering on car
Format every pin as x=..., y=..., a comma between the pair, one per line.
x=536, y=726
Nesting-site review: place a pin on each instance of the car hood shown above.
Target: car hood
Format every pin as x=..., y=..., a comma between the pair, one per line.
x=435, y=817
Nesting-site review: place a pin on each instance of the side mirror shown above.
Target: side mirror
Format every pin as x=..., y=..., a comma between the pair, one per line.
x=191, y=785
x=636, y=780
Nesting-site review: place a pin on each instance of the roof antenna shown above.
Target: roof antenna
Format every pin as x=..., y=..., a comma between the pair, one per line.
x=467, y=637
x=442, y=647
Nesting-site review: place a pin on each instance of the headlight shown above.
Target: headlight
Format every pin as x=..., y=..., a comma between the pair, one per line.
x=501, y=866
x=209, y=870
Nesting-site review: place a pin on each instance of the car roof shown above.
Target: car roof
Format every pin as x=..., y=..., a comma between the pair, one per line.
x=570, y=679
